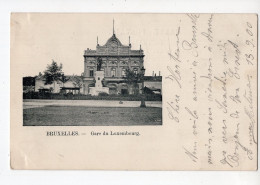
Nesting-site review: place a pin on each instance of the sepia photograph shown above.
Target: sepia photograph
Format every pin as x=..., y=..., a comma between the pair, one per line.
x=112, y=87
x=129, y=92
x=134, y=91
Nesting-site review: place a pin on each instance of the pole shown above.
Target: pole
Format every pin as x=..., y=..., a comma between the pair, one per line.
x=113, y=27
x=143, y=98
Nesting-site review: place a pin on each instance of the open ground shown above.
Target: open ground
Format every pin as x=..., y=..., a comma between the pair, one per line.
x=90, y=113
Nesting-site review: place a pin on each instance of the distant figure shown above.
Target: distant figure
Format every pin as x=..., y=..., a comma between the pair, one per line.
x=99, y=64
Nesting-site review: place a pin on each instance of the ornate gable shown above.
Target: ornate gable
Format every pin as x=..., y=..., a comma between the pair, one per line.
x=113, y=42
x=113, y=47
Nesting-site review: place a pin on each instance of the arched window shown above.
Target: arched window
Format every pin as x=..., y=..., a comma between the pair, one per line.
x=123, y=62
x=123, y=72
x=91, y=72
x=135, y=62
x=135, y=70
x=92, y=62
x=113, y=72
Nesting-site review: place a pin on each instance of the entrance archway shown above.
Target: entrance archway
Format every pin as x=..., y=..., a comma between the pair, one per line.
x=124, y=89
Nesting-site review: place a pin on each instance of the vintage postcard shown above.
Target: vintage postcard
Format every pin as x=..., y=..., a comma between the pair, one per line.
x=134, y=91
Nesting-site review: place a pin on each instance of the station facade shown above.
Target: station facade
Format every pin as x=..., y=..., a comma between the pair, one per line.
x=116, y=58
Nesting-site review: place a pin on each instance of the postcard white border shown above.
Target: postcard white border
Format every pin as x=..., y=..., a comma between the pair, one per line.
x=8, y=176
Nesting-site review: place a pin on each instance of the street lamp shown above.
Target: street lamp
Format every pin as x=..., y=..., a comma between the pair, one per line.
x=143, y=98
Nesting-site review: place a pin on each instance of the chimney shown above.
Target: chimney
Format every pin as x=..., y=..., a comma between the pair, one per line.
x=159, y=73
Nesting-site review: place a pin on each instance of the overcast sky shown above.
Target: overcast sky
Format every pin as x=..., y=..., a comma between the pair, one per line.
x=39, y=38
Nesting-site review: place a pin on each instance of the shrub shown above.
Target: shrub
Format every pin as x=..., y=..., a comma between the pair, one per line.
x=102, y=94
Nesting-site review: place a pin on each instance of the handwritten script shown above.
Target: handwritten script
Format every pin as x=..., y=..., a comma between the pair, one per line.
x=212, y=101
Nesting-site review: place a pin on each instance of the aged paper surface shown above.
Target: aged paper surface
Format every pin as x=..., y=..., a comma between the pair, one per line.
x=208, y=64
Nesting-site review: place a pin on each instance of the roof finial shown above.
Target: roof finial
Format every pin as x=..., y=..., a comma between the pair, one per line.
x=113, y=27
x=129, y=40
x=97, y=40
x=140, y=47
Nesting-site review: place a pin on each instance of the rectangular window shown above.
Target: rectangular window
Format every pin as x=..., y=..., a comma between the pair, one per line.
x=135, y=71
x=123, y=73
x=113, y=72
x=91, y=73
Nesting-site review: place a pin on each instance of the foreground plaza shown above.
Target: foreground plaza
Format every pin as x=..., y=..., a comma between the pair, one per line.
x=90, y=113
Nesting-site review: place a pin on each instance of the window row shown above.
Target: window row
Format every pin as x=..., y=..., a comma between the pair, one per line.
x=122, y=62
x=113, y=72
